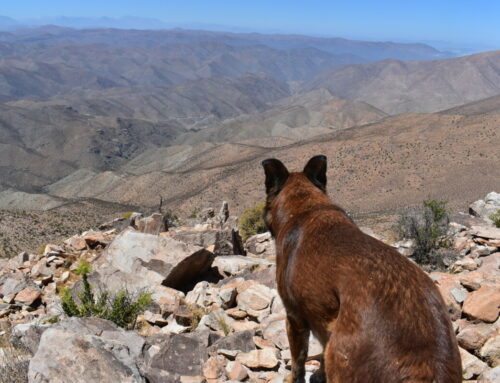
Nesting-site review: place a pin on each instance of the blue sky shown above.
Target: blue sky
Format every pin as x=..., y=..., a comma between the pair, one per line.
x=458, y=21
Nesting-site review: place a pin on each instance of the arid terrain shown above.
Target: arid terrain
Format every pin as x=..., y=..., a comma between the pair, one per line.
x=126, y=117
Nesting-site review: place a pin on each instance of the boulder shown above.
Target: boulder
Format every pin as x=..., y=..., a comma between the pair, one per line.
x=261, y=245
x=235, y=264
x=239, y=341
x=167, y=357
x=13, y=283
x=138, y=260
x=471, y=366
x=73, y=352
x=266, y=358
x=472, y=336
x=224, y=242
x=449, y=286
x=483, y=304
x=154, y=224
x=256, y=297
x=491, y=351
x=491, y=376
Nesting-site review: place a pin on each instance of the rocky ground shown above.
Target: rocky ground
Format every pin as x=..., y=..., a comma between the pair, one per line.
x=216, y=314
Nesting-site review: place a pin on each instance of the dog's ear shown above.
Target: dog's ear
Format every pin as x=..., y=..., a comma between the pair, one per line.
x=315, y=170
x=276, y=174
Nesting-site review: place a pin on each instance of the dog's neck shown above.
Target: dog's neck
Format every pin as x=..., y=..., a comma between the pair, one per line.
x=298, y=196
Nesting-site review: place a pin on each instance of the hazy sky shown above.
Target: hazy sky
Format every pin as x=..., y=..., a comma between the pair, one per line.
x=463, y=22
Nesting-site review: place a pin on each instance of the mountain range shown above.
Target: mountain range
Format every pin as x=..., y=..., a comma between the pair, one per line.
x=128, y=116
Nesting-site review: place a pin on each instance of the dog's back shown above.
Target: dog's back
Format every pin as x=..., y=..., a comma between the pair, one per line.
x=379, y=317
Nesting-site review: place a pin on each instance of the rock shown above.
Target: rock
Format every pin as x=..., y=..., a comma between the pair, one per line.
x=490, y=264
x=483, y=209
x=217, y=320
x=11, y=284
x=28, y=296
x=166, y=357
x=76, y=243
x=265, y=358
x=235, y=264
x=483, y=304
x=471, y=366
x=236, y=371
x=140, y=260
x=154, y=224
x=224, y=242
x=488, y=232
x=491, y=351
x=261, y=245
x=28, y=334
x=466, y=263
x=239, y=341
x=446, y=283
x=274, y=330
x=213, y=369
x=167, y=299
x=255, y=297
x=228, y=242
x=493, y=199
x=473, y=336
x=76, y=355
x=491, y=376
x=96, y=238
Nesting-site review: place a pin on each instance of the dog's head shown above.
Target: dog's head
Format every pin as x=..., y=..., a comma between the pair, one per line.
x=289, y=193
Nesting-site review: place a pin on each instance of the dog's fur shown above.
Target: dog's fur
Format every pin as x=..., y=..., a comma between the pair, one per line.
x=379, y=317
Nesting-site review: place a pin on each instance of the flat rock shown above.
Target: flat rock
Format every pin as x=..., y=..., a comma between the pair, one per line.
x=488, y=232
x=483, y=304
x=265, y=358
x=28, y=296
x=256, y=297
x=235, y=264
x=77, y=355
x=140, y=260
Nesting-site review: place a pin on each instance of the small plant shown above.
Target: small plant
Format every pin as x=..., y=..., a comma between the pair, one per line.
x=198, y=313
x=195, y=213
x=252, y=221
x=127, y=215
x=14, y=361
x=170, y=219
x=122, y=308
x=427, y=227
x=223, y=325
x=496, y=218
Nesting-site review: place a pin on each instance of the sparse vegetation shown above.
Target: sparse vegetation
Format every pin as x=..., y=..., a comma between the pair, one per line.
x=170, y=218
x=14, y=361
x=427, y=227
x=496, y=218
x=198, y=313
x=223, y=325
x=121, y=307
x=252, y=221
x=195, y=213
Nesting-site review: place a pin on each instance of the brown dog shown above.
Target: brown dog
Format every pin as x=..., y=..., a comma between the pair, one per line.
x=379, y=317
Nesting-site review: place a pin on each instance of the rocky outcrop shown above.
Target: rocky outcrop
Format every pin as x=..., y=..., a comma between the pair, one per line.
x=215, y=316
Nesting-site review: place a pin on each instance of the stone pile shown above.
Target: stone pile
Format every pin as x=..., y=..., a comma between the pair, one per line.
x=216, y=314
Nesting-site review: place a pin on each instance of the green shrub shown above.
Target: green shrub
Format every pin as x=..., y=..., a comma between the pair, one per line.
x=252, y=221
x=170, y=218
x=127, y=215
x=121, y=307
x=496, y=218
x=427, y=227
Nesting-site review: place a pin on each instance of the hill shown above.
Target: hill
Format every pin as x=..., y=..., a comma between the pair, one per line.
x=416, y=86
x=386, y=165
